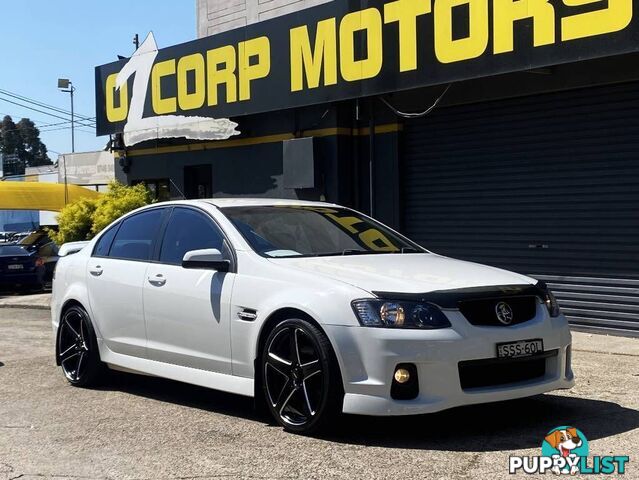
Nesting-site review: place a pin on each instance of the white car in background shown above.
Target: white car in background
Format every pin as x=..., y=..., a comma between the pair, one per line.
x=311, y=307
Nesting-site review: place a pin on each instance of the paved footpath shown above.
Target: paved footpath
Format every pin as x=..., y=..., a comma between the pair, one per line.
x=147, y=428
x=40, y=301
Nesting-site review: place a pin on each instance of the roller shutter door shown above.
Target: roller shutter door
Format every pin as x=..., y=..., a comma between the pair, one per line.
x=546, y=185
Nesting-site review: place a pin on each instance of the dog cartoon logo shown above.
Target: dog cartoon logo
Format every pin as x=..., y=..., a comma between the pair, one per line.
x=565, y=451
x=568, y=443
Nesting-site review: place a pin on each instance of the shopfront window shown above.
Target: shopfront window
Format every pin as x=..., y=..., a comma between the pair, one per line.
x=160, y=189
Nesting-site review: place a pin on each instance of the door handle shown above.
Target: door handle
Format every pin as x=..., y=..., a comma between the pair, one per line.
x=157, y=281
x=97, y=271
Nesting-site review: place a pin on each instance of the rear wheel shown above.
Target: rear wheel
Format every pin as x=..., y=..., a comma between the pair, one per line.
x=78, y=353
x=300, y=377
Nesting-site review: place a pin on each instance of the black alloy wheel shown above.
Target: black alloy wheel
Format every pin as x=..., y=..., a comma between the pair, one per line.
x=78, y=353
x=301, y=381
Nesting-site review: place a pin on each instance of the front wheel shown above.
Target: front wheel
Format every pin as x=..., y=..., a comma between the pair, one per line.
x=300, y=377
x=78, y=353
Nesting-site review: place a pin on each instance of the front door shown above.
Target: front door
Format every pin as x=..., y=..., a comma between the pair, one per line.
x=115, y=279
x=187, y=311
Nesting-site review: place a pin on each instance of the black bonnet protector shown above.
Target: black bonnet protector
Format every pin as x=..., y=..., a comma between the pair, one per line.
x=452, y=298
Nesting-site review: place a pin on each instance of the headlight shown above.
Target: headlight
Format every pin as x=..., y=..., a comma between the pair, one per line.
x=399, y=314
x=549, y=300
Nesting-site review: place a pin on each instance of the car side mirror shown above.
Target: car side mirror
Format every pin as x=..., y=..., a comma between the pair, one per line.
x=208, y=259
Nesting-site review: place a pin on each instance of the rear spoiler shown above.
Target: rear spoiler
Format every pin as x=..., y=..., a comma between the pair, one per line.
x=71, y=248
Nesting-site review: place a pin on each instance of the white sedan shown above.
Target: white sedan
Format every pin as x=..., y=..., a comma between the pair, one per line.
x=311, y=308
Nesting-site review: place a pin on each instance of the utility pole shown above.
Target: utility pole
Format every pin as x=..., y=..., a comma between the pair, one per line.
x=66, y=86
x=136, y=41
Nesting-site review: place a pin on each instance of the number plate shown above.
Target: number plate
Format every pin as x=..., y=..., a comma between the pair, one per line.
x=15, y=267
x=523, y=348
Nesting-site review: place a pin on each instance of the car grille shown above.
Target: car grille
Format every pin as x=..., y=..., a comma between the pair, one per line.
x=496, y=372
x=484, y=312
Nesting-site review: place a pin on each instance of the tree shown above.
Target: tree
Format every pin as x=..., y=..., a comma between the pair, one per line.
x=10, y=138
x=117, y=201
x=23, y=140
x=34, y=151
x=84, y=219
x=74, y=222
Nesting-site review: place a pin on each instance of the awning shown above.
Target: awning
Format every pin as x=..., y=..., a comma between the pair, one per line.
x=40, y=196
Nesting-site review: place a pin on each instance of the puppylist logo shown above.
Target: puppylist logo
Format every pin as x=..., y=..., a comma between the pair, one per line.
x=565, y=451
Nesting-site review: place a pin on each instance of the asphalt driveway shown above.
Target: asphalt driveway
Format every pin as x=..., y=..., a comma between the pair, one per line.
x=147, y=428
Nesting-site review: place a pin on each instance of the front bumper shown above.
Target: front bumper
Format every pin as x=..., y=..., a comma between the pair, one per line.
x=368, y=358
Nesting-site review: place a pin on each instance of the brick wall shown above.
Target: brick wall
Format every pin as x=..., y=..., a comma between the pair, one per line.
x=214, y=16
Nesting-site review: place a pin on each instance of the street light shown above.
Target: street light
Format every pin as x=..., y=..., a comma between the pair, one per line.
x=65, y=85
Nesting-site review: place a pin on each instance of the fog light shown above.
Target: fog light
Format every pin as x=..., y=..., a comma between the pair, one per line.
x=402, y=375
x=405, y=384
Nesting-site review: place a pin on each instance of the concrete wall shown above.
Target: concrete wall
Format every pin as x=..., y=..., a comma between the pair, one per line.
x=215, y=16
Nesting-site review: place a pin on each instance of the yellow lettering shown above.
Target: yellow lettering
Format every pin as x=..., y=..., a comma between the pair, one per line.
x=377, y=241
x=221, y=76
x=346, y=222
x=449, y=50
x=257, y=47
x=405, y=12
x=616, y=16
x=369, y=20
x=162, y=106
x=116, y=114
x=305, y=61
x=507, y=12
x=191, y=63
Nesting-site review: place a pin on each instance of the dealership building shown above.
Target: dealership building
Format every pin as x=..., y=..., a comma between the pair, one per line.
x=502, y=132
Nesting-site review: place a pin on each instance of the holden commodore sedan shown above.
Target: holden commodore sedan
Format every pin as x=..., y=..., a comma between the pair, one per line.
x=311, y=308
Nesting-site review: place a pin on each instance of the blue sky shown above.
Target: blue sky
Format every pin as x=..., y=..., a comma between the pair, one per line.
x=44, y=40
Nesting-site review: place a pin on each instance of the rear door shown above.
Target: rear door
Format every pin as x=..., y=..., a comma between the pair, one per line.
x=115, y=279
x=187, y=311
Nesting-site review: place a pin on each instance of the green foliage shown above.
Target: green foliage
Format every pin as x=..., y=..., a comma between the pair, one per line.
x=75, y=222
x=119, y=200
x=83, y=219
x=23, y=140
x=34, y=152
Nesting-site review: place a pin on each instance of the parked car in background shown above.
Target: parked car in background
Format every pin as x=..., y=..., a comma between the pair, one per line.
x=29, y=262
x=7, y=237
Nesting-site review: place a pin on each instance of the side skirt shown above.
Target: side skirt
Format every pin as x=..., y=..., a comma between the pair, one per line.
x=203, y=378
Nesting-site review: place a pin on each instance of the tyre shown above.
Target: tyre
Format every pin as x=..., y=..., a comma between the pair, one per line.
x=78, y=353
x=300, y=377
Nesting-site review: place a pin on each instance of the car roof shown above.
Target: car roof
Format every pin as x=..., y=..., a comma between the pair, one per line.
x=263, y=202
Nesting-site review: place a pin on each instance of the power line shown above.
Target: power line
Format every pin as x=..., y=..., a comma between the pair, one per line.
x=41, y=104
x=67, y=128
x=13, y=115
x=41, y=128
x=39, y=111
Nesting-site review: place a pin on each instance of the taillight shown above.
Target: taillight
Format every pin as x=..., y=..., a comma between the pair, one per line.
x=39, y=262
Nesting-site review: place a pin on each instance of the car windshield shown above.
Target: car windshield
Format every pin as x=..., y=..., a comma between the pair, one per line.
x=34, y=239
x=303, y=231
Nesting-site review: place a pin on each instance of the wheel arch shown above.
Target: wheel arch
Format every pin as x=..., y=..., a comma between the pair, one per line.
x=267, y=327
x=71, y=302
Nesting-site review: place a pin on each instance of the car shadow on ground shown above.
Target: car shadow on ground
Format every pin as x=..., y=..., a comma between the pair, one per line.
x=504, y=426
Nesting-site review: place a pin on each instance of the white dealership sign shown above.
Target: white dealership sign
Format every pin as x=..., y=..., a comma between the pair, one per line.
x=92, y=168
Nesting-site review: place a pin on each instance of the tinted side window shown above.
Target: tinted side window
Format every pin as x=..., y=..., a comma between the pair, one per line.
x=189, y=230
x=134, y=240
x=104, y=244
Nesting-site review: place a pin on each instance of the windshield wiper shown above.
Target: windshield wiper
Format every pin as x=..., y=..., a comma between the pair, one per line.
x=352, y=251
x=409, y=250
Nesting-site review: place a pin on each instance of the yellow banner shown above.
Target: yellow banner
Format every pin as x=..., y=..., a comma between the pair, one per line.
x=40, y=196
